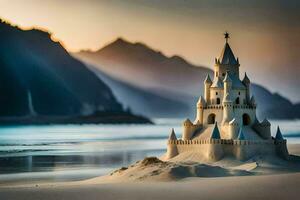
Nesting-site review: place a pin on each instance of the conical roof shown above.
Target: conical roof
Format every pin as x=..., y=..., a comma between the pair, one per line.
x=201, y=100
x=246, y=80
x=227, y=57
x=188, y=121
x=278, y=134
x=241, y=135
x=215, y=133
x=172, y=135
x=207, y=79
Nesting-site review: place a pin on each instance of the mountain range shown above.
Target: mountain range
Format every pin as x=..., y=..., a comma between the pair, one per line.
x=40, y=80
x=139, y=74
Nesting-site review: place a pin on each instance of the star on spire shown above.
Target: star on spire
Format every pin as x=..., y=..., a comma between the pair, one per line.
x=226, y=36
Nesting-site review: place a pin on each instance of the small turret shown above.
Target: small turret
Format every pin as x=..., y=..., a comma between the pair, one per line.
x=207, y=84
x=172, y=135
x=280, y=145
x=246, y=82
x=278, y=134
x=201, y=101
x=241, y=149
x=187, y=122
x=207, y=80
x=172, y=149
x=187, y=130
x=227, y=84
x=228, y=108
x=200, y=106
x=215, y=150
x=215, y=133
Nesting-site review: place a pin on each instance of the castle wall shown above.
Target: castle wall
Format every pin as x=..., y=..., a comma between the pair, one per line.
x=215, y=149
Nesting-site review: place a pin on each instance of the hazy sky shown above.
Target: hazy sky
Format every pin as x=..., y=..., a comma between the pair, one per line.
x=265, y=34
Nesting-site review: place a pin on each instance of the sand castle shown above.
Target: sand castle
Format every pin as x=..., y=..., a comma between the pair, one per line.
x=226, y=124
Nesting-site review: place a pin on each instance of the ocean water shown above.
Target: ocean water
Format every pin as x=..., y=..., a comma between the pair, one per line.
x=76, y=152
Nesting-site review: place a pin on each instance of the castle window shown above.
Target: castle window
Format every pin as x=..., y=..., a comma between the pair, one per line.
x=218, y=101
x=239, y=93
x=211, y=118
x=223, y=74
x=237, y=100
x=216, y=93
x=246, y=119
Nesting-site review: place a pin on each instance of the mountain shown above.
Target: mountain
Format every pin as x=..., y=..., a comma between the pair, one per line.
x=174, y=78
x=141, y=101
x=40, y=79
x=141, y=66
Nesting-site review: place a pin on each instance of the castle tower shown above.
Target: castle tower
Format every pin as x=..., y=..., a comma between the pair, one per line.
x=233, y=129
x=227, y=84
x=246, y=82
x=226, y=61
x=241, y=148
x=227, y=109
x=207, y=84
x=172, y=150
x=200, y=107
x=215, y=150
x=187, y=130
x=280, y=145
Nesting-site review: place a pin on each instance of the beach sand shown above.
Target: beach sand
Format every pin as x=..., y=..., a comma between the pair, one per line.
x=275, y=185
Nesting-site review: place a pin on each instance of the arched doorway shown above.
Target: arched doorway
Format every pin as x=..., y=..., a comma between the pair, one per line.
x=211, y=118
x=246, y=119
x=237, y=100
x=218, y=101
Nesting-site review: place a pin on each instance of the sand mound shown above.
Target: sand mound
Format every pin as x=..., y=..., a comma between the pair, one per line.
x=154, y=169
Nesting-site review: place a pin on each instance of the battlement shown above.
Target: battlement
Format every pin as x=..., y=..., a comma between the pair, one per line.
x=221, y=107
x=224, y=141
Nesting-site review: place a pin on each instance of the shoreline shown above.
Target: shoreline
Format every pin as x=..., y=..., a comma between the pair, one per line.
x=273, y=186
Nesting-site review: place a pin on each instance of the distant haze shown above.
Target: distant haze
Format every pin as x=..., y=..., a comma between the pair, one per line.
x=265, y=35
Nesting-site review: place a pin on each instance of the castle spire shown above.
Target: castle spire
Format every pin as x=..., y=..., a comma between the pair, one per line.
x=227, y=57
x=207, y=79
x=226, y=36
x=215, y=133
x=172, y=135
x=278, y=134
x=246, y=80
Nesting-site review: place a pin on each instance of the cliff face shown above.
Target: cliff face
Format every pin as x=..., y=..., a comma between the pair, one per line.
x=170, y=77
x=35, y=68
